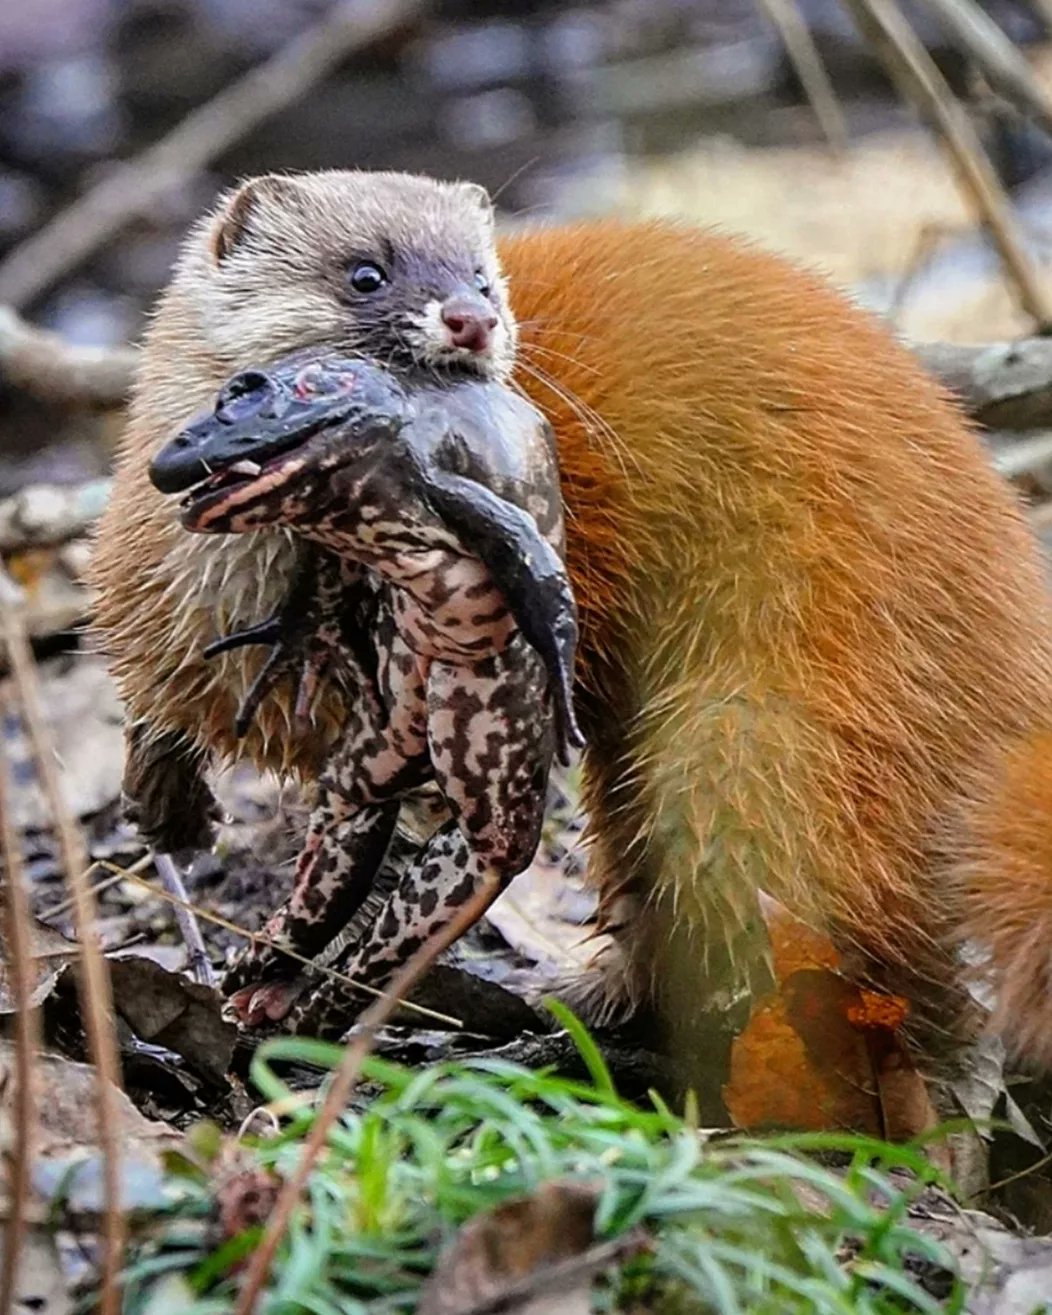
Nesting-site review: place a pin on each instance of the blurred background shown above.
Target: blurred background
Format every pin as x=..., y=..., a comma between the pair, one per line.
x=685, y=107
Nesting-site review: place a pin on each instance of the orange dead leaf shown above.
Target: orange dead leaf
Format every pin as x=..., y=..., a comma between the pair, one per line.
x=775, y=1081
x=820, y=1052
x=794, y=945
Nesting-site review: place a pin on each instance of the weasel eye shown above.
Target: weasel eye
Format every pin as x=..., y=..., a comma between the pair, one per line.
x=367, y=277
x=482, y=282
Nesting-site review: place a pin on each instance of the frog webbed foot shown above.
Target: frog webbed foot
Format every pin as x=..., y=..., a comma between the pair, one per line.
x=266, y=1002
x=302, y=636
x=290, y=655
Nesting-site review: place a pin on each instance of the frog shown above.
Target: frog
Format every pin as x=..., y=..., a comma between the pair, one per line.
x=434, y=576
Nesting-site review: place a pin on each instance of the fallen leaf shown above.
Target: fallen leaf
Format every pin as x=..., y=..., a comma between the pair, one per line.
x=978, y=1082
x=40, y=1284
x=67, y=1164
x=66, y=1108
x=1021, y=1125
x=51, y=953
x=820, y=1052
x=244, y=1194
x=85, y=720
x=527, y=916
x=78, y=1181
x=484, y=1006
x=169, y=1010
x=171, y=1295
x=776, y=1081
x=534, y=1255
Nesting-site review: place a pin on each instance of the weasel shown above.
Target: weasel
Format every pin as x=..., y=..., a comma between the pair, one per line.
x=816, y=642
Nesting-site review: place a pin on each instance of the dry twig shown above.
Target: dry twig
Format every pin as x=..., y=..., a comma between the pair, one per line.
x=999, y=57
x=257, y=938
x=63, y=907
x=130, y=189
x=27, y=1041
x=803, y=54
x=342, y=1085
x=912, y=68
x=172, y=881
x=96, y=995
x=53, y=370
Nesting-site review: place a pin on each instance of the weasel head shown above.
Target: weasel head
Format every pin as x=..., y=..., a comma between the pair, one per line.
x=397, y=267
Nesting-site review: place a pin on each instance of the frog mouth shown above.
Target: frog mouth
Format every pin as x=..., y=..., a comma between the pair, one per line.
x=223, y=470
x=240, y=487
x=259, y=433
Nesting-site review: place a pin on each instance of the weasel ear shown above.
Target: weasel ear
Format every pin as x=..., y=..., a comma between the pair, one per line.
x=234, y=219
x=478, y=194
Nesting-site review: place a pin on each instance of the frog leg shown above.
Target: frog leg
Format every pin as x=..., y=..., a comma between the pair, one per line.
x=531, y=576
x=326, y=613
x=491, y=754
x=380, y=758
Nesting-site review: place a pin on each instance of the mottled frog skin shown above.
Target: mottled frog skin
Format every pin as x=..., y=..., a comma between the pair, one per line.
x=440, y=588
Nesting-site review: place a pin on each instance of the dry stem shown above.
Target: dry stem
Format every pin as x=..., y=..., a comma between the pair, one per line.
x=912, y=68
x=130, y=189
x=27, y=1041
x=172, y=880
x=803, y=54
x=96, y=995
x=999, y=58
x=342, y=1085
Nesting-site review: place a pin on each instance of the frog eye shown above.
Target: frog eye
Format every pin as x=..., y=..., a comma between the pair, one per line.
x=366, y=276
x=482, y=282
x=252, y=393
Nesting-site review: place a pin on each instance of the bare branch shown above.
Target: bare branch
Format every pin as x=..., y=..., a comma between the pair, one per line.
x=96, y=995
x=206, y=133
x=909, y=64
x=999, y=57
x=53, y=370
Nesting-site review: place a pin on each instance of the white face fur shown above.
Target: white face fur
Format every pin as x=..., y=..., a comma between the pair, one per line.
x=360, y=261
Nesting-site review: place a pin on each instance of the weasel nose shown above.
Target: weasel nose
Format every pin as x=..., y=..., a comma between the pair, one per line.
x=248, y=394
x=470, y=322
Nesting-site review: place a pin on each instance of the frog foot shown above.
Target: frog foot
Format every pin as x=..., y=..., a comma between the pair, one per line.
x=263, y=1002
x=290, y=654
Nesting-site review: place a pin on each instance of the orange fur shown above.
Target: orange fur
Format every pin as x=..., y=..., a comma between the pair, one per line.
x=1000, y=855
x=811, y=604
x=810, y=614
